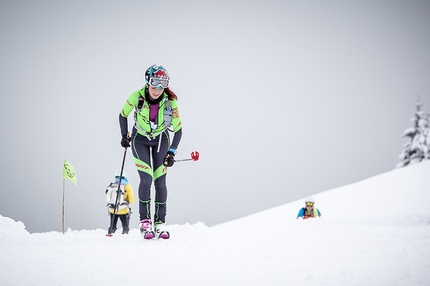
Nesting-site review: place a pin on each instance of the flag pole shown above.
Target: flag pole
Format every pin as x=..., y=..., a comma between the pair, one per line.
x=68, y=173
x=62, y=217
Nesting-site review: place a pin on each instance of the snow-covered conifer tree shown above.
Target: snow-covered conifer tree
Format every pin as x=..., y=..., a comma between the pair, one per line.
x=417, y=148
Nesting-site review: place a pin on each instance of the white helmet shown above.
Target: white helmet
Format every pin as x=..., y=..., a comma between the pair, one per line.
x=118, y=173
x=309, y=200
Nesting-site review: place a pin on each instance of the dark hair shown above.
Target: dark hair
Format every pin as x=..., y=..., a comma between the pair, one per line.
x=170, y=94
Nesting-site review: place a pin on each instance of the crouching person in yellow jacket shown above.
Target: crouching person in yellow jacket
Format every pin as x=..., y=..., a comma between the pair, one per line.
x=122, y=198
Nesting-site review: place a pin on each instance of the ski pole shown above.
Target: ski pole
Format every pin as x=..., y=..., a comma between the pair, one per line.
x=118, y=190
x=194, y=157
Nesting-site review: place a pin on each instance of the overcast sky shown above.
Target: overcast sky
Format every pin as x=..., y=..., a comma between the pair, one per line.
x=270, y=93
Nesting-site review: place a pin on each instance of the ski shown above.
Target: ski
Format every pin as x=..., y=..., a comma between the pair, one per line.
x=163, y=235
x=148, y=235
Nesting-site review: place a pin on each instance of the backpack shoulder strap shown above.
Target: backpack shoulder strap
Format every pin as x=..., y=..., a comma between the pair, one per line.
x=316, y=212
x=107, y=188
x=140, y=102
x=139, y=106
x=168, y=112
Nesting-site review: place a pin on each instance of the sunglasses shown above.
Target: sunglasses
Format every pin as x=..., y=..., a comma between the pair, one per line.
x=159, y=82
x=309, y=204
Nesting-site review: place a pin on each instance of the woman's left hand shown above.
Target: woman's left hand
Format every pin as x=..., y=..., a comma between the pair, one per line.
x=169, y=160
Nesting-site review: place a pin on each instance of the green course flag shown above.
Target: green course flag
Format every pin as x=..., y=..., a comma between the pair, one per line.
x=69, y=172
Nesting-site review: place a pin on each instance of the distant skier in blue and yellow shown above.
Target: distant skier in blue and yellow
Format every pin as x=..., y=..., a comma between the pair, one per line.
x=309, y=210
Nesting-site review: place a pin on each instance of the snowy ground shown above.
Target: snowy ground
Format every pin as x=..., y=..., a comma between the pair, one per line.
x=374, y=232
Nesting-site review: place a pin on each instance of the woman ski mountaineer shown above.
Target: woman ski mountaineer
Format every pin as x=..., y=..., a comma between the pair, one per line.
x=155, y=111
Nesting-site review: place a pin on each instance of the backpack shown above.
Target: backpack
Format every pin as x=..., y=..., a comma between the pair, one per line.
x=168, y=111
x=111, y=192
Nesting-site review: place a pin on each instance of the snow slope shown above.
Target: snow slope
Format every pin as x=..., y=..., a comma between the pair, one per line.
x=373, y=232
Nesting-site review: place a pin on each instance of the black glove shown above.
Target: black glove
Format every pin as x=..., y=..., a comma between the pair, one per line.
x=125, y=141
x=169, y=160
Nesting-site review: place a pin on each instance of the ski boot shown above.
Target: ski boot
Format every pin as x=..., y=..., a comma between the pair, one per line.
x=111, y=231
x=146, y=229
x=160, y=231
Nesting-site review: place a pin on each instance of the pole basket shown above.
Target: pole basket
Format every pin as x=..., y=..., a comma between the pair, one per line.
x=195, y=155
